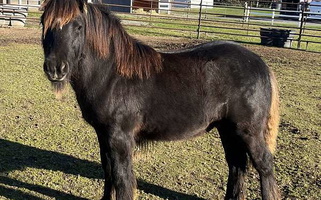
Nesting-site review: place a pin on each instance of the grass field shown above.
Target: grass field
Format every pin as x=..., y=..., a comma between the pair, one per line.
x=49, y=152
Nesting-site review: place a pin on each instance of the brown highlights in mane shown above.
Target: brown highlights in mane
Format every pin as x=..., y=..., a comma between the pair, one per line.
x=105, y=36
x=57, y=13
x=108, y=39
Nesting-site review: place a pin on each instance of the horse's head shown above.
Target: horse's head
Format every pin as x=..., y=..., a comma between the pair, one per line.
x=74, y=30
x=62, y=38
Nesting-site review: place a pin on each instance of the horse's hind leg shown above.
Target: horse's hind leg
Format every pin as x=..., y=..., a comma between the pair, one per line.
x=236, y=157
x=262, y=160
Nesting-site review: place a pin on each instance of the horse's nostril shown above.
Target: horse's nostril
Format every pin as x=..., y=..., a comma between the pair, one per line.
x=64, y=68
x=46, y=67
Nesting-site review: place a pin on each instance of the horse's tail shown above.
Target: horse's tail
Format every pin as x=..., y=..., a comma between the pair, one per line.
x=274, y=116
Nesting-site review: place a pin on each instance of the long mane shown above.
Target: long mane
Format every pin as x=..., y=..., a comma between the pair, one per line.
x=105, y=36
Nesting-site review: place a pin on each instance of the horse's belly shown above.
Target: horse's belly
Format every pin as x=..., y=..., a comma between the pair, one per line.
x=171, y=133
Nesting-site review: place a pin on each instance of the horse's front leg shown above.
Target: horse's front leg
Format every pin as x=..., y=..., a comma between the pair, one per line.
x=106, y=165
x=117, y=163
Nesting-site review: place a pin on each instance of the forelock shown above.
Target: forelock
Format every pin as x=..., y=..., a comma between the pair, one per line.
x=58, y=13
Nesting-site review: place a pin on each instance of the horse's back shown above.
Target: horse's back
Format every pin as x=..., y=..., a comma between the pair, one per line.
x=208, y=83
x=219, y=68
x=218, y=57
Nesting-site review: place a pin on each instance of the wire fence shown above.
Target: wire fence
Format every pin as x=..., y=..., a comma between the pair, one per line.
x=291, y=25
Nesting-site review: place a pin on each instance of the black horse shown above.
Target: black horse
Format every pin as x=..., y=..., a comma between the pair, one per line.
x=130, y=93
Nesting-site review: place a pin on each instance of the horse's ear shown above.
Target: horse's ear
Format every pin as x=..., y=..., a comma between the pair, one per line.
x=82, y=5
x=43, y=6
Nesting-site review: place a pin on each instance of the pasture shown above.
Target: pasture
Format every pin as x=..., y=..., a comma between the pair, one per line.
x=49, y=152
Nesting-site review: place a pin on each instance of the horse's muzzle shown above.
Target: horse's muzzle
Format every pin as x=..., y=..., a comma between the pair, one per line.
x=56, y=72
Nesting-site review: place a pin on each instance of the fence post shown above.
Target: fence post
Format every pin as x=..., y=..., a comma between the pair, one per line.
x=302, y=19
x=199, y=20
x=19, y=4
x=273, y=16
x=150, y=12
x=246, y=12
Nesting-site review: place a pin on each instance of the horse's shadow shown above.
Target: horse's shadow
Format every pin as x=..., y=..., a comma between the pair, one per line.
x=15, y=156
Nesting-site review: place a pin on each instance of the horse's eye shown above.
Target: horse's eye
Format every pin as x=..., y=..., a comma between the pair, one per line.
x=79, y=27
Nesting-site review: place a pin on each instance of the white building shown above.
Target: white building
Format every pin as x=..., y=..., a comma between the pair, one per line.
x=196, y=3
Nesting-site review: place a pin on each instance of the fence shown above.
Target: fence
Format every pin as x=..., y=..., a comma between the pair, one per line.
x=23, y=3
x=15, y=12
x=298, y=25
x=293, y=25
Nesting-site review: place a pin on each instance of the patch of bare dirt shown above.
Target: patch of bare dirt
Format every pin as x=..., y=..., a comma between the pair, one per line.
x=20, y=36
x=273, y=54
x=282, y=55
x=168, y=43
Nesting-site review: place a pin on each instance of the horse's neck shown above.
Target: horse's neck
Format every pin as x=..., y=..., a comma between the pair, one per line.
x=92, y=74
